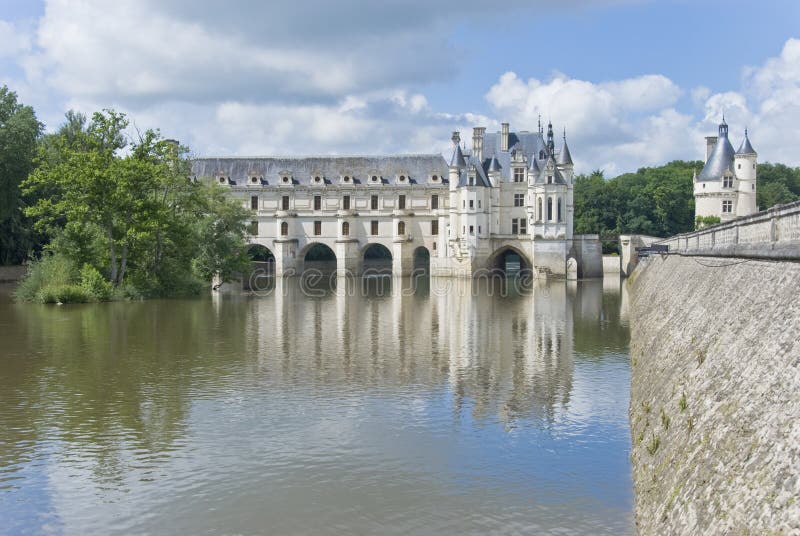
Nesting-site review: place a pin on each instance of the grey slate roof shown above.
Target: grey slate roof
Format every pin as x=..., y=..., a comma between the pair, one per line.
x=476, y=168
x=564, y=158
x=745, y=147
x=494, y=165
x=720, y=160
x=457, y=159
x=530, y=143
x=417, y=167
x=558, y=178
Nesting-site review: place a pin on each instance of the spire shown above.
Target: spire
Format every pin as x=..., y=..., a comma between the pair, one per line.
x=565, y=159
x=540, y=123
x=534, y=165
x=746, y=147
x=494, y=165
x=550, y=144
x=458, y=158
x=723, y=128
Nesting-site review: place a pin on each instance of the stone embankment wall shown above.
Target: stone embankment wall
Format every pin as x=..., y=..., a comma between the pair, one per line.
x=715, y=395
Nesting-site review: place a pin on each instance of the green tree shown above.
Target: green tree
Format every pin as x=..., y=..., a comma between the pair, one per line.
x=19, y=131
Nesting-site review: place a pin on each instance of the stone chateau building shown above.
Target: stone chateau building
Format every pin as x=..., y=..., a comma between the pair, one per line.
x=726, y=187
x=505, y=204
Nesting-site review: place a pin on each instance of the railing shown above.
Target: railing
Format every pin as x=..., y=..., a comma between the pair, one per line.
x=773, y=234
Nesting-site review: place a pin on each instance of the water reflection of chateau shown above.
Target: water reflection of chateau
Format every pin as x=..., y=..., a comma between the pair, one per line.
x=508, y=357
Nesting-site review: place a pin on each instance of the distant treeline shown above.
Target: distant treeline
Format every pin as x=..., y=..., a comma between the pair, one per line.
x=659, y=201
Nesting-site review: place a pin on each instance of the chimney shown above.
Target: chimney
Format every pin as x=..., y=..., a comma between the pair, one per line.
x=477, y=143
x=711, y=141
x=504, y=136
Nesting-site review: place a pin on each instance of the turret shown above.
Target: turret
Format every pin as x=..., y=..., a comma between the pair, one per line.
x=457, y=161
x=565, y=160
x=745, y=164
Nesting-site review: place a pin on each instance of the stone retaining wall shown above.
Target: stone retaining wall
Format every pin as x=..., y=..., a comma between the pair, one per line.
x=715, y=395
x=770, y=234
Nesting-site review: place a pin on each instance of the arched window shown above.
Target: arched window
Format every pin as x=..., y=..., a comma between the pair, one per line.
x=549, y=209
x=345, y=228
x=559, y=209
x=401, y=228
x=284, y=228
x=539, y=208
x=541, y=155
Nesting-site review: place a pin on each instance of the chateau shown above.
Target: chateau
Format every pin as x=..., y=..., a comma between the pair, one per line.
x=506, y=204
x=726, y=187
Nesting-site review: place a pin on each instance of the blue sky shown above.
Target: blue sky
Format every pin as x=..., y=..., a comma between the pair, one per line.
x=634, y=82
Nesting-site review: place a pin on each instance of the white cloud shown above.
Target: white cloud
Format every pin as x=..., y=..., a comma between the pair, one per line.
x=13, y=40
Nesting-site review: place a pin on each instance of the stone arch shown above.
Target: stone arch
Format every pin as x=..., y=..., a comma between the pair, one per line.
x=376, y=259
x=422, y=259
x=260, y=253
x=263, y=267
x=508, y=259
x=317, y=256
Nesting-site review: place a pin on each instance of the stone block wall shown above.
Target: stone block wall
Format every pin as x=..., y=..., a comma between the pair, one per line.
x=715, y=395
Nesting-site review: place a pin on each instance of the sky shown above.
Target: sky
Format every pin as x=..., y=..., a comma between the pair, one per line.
x=633, y=82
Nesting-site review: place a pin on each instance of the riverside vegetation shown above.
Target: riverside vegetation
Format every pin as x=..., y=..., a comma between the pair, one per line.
x=103, y=215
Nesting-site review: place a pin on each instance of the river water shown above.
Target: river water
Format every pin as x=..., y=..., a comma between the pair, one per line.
x=369, y=407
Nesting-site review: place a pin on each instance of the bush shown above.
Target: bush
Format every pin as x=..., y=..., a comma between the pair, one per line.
x=48, y=271
x=95, y=284
x=64, y=294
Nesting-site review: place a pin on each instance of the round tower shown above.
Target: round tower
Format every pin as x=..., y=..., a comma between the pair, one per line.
x=745, y=170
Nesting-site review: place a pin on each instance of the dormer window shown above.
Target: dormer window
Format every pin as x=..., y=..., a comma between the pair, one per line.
x=346, y=178
x=374, y=178
x=222, y=180
x=541, y=155
x=402, y=178
x=285, y=179
x=472, y=181
x=254, y=180
x=435, y=178
x=727, y=182
x=317, y=180
x=549, y=179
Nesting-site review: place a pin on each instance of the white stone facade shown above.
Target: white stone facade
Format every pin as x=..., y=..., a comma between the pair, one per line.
x=506, y=203
x=726, y=187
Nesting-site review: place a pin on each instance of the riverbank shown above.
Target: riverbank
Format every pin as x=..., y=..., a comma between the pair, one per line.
x=12, y=274
x=715, y=411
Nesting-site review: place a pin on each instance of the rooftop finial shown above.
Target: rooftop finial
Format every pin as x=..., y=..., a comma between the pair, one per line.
x=540, y=123
x=565, y=133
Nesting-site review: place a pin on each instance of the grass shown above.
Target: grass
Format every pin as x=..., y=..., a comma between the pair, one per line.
x=653, y=444
x=682, y=403
x=664, y=419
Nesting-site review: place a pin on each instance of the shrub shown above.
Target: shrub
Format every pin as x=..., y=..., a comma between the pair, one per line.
x=64, y=294
x=93, y=282
x=48, y=271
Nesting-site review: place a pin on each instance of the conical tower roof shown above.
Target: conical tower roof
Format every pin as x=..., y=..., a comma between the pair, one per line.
x=564, y=158
x=746, y=147
x=458, y=158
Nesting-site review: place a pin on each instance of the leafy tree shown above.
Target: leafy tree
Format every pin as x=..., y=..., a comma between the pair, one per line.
x=19, y=131
x=777, y=184
x=133, y=215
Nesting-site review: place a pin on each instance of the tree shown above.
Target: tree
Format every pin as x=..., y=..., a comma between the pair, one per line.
x=19, y=131
x=135, y=216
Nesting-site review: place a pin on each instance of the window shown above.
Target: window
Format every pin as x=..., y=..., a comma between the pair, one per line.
x=254, y=180
x=317, y=180
x=519, y=200
x=727, y=206
x=345, y=228
x=541, y=154
x=740, y=166
x=549, y=209
x=253, y=228
x=401, y=202
x=402, y=178
x=727, y=182
x=317, y=202
x=472, y=229
x=317, y=228
x=514, y=226
x=373, y=202
x=401, y=227
x=285, y=180
x=284, y=228
x=523, y=226
x=346, y=202
x=539, y=208
x=434, y=246
x=472, y=181
x=559, y=209
x=254, y=202
x=549, y=179
x=479, y=230
x=374, y=228
x=222, y=180
x=471, y=203
x=434, y=201
x=435, y=178
x=519, y=174
x=374, y=178
x=434, y=227
x=346, y=178
x=285, y=202
x=463, y=204
x=479, y=203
